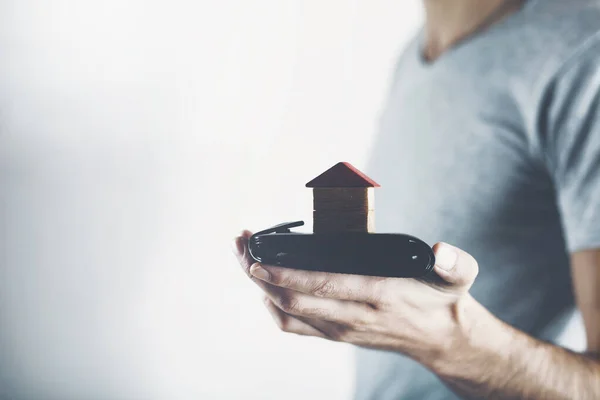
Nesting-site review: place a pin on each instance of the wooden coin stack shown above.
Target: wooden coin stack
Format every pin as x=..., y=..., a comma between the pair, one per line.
x=343, y=200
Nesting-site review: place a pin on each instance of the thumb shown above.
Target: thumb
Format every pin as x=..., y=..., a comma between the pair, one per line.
x=455, y=266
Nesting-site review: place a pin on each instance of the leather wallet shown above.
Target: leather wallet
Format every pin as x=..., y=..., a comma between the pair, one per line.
x=374, y=254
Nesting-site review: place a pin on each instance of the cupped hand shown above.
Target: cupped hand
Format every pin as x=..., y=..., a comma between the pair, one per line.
x=417, y=317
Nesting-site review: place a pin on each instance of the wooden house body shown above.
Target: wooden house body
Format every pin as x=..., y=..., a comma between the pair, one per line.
x=343, y=200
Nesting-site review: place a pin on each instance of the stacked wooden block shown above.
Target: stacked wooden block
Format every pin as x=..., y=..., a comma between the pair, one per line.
x=343, y=200
x=343, y=210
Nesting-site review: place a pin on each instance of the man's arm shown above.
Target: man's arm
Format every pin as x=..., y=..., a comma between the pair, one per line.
x=585, y=270
x=437, y=324
x=497, y=361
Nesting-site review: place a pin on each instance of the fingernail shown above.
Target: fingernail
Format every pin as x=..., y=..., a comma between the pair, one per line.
x=259, y=272
x=237, y=246
x=445, y=258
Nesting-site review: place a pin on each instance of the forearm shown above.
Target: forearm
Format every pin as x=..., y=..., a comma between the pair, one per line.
x=489, y=359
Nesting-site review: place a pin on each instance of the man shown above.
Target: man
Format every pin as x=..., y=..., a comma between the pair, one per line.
x=490, y=141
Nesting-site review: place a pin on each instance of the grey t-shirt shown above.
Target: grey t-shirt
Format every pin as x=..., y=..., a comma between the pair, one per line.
x=495, y=148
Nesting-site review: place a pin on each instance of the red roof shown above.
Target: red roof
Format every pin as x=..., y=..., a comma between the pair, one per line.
x=342, y=174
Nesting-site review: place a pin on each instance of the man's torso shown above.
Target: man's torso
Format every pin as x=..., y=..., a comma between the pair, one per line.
x=459, y=161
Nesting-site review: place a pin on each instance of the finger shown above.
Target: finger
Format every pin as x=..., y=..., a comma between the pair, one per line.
x=316, y=327
x=455, y=266
x=240, y=249
x=321, y=284
x=297, y=303
x=304, y=305
x=287, y=300
x=332, y=330
x=291, y=324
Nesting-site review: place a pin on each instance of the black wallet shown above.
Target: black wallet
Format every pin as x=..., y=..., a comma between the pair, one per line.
x=375, y=254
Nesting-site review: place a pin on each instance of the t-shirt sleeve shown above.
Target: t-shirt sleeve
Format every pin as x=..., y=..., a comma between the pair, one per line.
x=572, y=147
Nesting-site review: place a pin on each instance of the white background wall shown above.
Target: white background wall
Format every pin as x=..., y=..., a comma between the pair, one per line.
x=136, y=138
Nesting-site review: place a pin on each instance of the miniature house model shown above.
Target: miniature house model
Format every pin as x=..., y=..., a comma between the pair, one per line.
x=343, y=200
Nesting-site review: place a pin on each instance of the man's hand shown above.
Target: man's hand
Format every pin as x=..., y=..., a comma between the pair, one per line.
x=421, y=319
